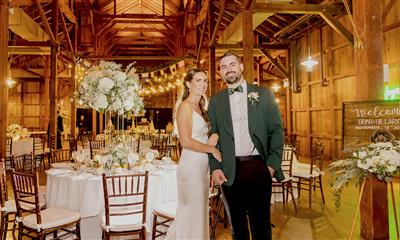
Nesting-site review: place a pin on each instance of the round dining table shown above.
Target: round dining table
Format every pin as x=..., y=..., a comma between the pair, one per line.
x=83, y=192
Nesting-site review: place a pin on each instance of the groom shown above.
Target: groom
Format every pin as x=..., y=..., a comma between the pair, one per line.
x=248, y=122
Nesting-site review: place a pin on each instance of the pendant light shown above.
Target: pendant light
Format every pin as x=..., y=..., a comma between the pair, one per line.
x=309, y=63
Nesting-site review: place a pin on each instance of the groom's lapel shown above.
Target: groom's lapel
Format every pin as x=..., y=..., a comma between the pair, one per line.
x=227, y=112
x=251, y=109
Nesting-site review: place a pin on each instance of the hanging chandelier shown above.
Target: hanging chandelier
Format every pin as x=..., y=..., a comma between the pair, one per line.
x=309, y=62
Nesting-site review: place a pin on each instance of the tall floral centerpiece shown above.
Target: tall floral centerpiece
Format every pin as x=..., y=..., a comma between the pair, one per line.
x=381, y=160
x=107, y=88
x=16, y=132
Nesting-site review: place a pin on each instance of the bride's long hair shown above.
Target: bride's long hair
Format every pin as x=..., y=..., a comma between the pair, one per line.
x=203, y=101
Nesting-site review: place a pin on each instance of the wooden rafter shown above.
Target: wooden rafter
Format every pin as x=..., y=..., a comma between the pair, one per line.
x=391, y=26
x=163, y=58
x=65, y=30
x=20, y=3
x=274, y=62
x=338, y=27
x=294, y=8
x=221, y=13
x=64, y=8
x=201, y=40
x=293, y=25
x=46, y=23
x=387, y=9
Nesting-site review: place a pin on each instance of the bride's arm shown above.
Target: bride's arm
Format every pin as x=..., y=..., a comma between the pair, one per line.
x=213, y=139
x=184, y=123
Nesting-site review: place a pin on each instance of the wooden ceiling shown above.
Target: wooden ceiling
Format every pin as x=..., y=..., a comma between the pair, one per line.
x=160, y=30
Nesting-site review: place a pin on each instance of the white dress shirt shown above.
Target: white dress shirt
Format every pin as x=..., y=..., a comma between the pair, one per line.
x=243, y=144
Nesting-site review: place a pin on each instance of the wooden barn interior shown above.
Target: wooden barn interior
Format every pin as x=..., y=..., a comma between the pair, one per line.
x=47, y=47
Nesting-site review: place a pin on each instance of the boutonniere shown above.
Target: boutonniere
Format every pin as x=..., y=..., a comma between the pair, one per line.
x=253, y=96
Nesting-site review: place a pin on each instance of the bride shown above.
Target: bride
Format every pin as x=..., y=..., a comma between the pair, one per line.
x=191, y=220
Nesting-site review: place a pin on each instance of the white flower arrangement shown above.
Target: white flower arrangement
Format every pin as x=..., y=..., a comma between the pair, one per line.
x=16, y=132
x=253, y=96
x=107, y=88
x=379, y=159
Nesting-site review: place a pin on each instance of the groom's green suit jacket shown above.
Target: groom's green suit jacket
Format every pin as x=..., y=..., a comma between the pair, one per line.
x=265, y=127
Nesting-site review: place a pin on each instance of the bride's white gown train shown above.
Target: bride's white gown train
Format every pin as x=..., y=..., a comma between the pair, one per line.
x=191, y=220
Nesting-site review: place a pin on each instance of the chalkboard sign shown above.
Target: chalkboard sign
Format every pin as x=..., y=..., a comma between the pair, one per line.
x=367, y=122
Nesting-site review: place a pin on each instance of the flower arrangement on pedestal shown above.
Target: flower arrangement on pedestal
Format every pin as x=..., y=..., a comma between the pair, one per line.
x=380, y=159
x=106, y=87
x=16, y=132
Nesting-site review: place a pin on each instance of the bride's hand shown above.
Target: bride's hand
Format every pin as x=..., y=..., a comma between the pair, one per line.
x=213, y=139
x=216, y=154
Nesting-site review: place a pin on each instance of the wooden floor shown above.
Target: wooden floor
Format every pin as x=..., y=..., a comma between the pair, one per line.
x=320, y=223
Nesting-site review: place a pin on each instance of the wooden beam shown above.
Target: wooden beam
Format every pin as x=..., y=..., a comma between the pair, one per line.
x=3, y=76
x=203, y=12
x=387, y=9
x=275, y=63
x=45, y=22
x=64, y=8
x=134, y=16
x=64, y=26
x=294, y=8
x=292, y=25
x=215, y=30
x=338, y=27
x=240, y=46
x=374, y=219
x=150, y=58
x=391, y=26
x=246, y=4
x=21, y=3
x=248, y=42
x=53, y=72
x=200, y=42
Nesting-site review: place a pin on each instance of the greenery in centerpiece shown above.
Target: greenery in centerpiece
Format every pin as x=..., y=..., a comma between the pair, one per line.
x=380, y=159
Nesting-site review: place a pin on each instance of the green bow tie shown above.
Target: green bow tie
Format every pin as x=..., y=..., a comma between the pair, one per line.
x=236, y=89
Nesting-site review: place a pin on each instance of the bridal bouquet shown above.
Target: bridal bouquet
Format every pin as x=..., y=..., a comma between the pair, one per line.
x=107, y=88
x=16, y=132
x=379, y=159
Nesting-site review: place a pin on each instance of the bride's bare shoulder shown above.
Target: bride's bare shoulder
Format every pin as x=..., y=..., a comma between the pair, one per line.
x=184, y=107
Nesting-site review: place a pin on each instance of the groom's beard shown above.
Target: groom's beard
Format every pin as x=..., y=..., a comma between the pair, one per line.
x=232, y=77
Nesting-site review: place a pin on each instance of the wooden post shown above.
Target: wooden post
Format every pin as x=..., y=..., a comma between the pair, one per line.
x=3, y=74
x=211, y=53
x=369, y=81
x=73, y=102
x=248, y=42
x=94, y=123
x=53, y=69
x=46, y=93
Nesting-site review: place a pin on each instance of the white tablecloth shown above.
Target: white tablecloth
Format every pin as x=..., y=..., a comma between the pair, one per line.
x=23, y=146
x=83, y=192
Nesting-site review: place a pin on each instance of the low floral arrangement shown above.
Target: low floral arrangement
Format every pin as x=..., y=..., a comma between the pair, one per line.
x=379, y=159
x=106, y=87
x=16, y=132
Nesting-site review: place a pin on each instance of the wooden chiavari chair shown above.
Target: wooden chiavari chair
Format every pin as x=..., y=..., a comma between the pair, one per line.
x=8, y=162
x=286, y=185
x=162, y=219
x=61, y=155
x=125, y=201
x=312, y=178
x=39, y=151
x=8, y=208
x=24, y=163
x=41, y=222
x=96, y=145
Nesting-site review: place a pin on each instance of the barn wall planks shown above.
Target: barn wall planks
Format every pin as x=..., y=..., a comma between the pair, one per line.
x=317, y=109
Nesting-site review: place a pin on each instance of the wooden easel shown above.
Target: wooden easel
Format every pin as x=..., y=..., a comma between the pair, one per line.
x=358, y=209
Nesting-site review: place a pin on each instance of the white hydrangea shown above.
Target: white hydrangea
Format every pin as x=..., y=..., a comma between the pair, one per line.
x=105, y=85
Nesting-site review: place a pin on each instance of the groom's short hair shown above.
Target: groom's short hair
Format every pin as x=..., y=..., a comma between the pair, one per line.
x=230, y=53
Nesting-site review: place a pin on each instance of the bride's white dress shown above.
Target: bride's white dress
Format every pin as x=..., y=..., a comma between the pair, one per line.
x=191, y=220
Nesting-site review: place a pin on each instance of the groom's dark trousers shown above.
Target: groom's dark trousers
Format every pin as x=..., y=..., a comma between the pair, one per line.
x=250, y=195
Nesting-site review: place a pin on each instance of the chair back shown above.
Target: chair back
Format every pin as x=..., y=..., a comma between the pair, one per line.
x=24, y=163
x=61, y=155
x=73, y=144
x=125, y=195
x=317, y=153
x=9, y=146
x=287, y=160
x=51, y=142
x=26, y=193
x=3, y=183
x=96, y=145
x=38, y=146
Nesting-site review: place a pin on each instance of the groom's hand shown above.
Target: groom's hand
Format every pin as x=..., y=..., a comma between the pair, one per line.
x=271, y=171
x=218, y=178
